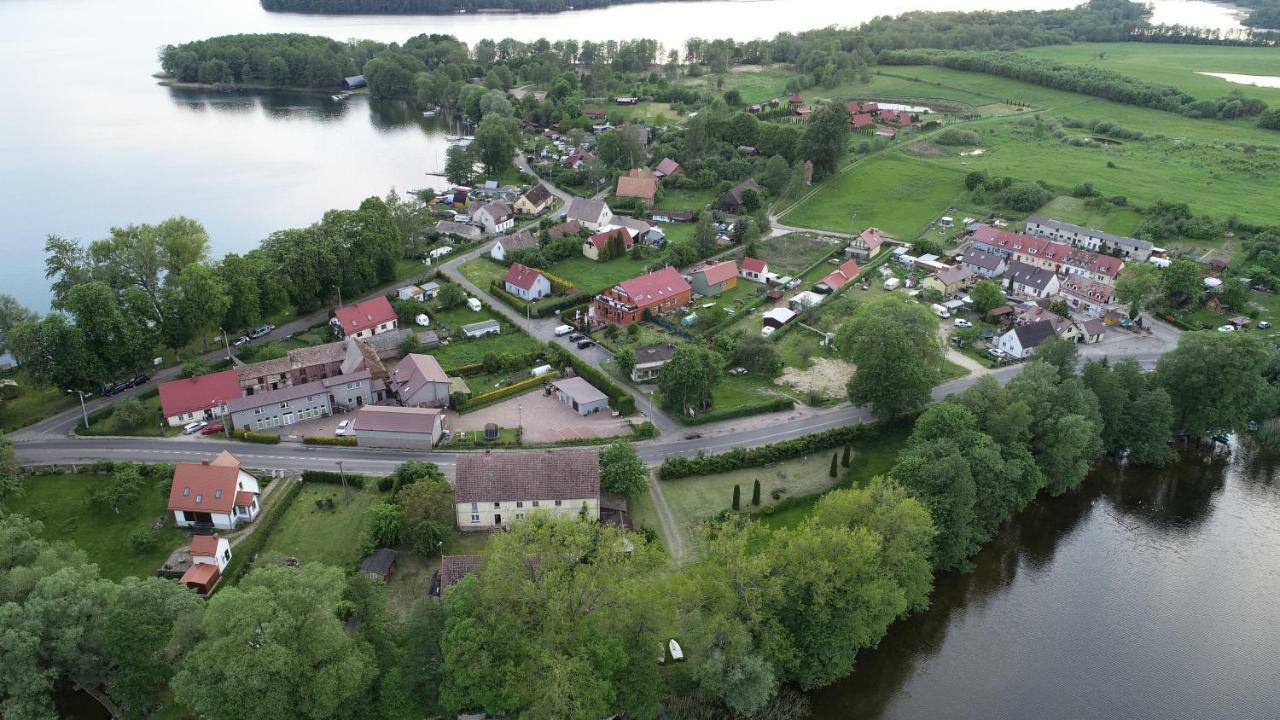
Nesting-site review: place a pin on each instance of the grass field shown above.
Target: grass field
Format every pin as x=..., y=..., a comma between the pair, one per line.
x=589, y=276
x=324, y=536
x=105, y=422
x=60, y=502
x=1175, y=64
x=482, y=272
x=792, y=254
x=461, y=350
x=1120, y=221
x=33, y=403
x=690, y=200
x=896, y=193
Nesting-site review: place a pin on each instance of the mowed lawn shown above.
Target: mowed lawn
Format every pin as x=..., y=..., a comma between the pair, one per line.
x=323, y=536
x=895, y=193
x=61, y=503
x=33, y=403
x=1177, y=65
x=1117, y=220
x=590, y=276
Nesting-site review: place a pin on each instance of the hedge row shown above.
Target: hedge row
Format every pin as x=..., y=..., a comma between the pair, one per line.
x=328, y=477
x=776, y=404
x=619, y=399
x=329, y=440
x=479, y=401
x=674, y=468
x=559, y=285
x=531, y=358
x=257, y=437
x=539, y=309
x=253, y=544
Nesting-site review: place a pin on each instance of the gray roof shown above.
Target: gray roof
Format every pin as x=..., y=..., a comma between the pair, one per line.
x=483, y=324
x=661, y=352
x=450, y=227
x=547, y=475
x=284, y=394
x=585, y=210
x=580, y=390
x=390, y=418
x=1031, y=335
x=1104, y=236
x=378, y=562
x=1029, y=275
x=349, y=378
x=538, y=194
x=519, y=241
x=984, y=260
x=497, y=209
x=421, y=369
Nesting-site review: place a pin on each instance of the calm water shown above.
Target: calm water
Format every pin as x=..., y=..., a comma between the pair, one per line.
x=1140, y=595
x=89, y=140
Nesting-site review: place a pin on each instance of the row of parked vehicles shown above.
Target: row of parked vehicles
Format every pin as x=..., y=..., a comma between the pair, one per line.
x=254, y=334
x=582, y=341
x=119, y=386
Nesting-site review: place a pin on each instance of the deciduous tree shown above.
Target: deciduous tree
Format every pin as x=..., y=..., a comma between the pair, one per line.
x=621, y=470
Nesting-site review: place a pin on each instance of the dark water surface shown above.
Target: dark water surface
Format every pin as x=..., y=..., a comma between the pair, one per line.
x=1144, y=593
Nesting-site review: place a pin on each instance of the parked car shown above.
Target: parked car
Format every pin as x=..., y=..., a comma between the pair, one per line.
x=195, y=427
x=576, y=336
x=212, y=429
x=112, y=388
x=962, y=323
x=240, y=341
x=738, y=371
x=562, y=330
x=261, y=331
x=343, y=428
x=584, y=344
x=140, y=379
x=996, y=353
x=692, y=436
x=1227, y=328
x=1264, y=325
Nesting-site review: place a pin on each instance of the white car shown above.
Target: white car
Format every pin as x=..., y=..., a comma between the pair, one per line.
x=195, y=427
x=562, y=330
x=962, y=323
x=1227, y=328
x=344, y=427
x=1264, y=325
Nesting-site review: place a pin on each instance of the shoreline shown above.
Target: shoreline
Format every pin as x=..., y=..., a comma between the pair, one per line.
x=478, y=11
x=170, y=82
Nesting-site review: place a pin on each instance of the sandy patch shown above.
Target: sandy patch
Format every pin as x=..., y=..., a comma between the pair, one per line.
x=824, y=376
x=928, y=149
x=749, y=68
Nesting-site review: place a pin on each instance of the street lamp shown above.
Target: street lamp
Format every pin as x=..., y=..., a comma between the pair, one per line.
x=83, y=411
x=226, y=344
x=342, y=476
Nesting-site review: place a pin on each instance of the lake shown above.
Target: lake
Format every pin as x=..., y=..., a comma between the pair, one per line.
x=1141, y=594
x=90, y=140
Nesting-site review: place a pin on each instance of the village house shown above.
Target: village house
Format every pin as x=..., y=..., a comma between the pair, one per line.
x=291, y=404
x=1022, y=340
x=1092, y=331
x=1092, y=266
x=951, y=281
x=313, y=364
x=458, y=229
x=538, y=198
x=452, y=569
x=579, y=159
x=988, y=265
x=658, y=293
x=838, y=278
x=506, y=244
x=714, y=279
x=641, y=185
x=365, y=319
x=594, y=215
x=731, y=200
x=594, y=246
x=496, y=489
x=402, y=428
x=526, y=283
x=1087, y=296
x=1031, y=281
x=866, y=246
x=495, y=217
x=649, y=361
x=581, y=396
x=802, y=301
x=203, y=397
x=210, y=555
x=755, y=270
x=1089, y=239
x=777, y=317
x=213, y=494
x=419, y=381
x=667, y=168
x=564, y=229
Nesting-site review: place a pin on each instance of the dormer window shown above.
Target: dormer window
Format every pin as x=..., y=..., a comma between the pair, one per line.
x=186, y=491
x=217, y=494
x=199, y=499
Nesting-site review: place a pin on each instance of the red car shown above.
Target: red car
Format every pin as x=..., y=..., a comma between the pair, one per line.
x=212, y=428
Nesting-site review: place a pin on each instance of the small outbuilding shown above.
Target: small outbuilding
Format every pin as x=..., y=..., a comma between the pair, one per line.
x=379, y=564
x=482, y=328
x=580, y=395
x=403, y=428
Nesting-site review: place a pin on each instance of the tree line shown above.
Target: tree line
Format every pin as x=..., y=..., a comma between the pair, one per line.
x=434, y=7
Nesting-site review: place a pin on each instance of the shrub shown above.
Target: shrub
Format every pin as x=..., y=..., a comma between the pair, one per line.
x=384, y=526
x=478, y=401
x=777, y=404
x=737, y=497
x=426, y=536
x=257, y=437
x=328, y=477
x=957, y=136
x=755, y=493
x=329, y=440
x=674, y=468
x=130, y=413
x=143, y=540
x=644, y=431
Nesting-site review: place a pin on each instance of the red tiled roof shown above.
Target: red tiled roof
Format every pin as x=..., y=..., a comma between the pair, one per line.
x=837, y=278
x=200, y=487
x=754, y=265
x=200, y=574
x=198, y=393
x=795, y=99
x=655, y=287
x=205, y=545
x=244, y=498
x=455, y=567
x=521, y=276
x=720, y=272
x=871, y=236
x=862, y=120
x=602, y=239
x=365, y=315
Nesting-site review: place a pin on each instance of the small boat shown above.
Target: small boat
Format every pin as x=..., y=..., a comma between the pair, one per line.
x=676, y=652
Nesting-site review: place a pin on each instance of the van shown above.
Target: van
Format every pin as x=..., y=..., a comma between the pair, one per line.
x=940, y=311
x=562, y=330
x=892, y=283
x=474, y=304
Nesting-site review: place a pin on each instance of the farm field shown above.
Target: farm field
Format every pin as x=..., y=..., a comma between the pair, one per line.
x=61, y=502
x=896, y=193
x=1176, y=64
x=794, y=253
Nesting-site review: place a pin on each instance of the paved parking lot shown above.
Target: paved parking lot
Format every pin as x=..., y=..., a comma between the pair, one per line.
x=544, y=419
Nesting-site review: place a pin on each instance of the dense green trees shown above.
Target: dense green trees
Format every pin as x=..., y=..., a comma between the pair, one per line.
x=1216, y=382
x=826, y=141
x=687, y=380
x=621, y=470
x=894, y=345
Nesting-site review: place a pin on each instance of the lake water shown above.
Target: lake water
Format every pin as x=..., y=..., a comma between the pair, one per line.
x=1142, y=594
x=89, y=140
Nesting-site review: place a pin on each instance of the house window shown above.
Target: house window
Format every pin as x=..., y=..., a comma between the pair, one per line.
x=519, y=503
x=475, y=507
x=284, y=405
x=475, y=518
x=226, y=554
x=535, y=503
x=497, y=505
x=186, y=492
x=199, y=499
x=557, y=503
x=519, y=516
x=217, y=493
x=257, y=411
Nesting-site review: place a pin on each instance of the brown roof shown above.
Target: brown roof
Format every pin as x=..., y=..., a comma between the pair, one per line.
x=422, y=370
x=204, y=545
x=667, y=167
x=518, y=241
x=572, y=227
x=644, y=188
x=200, y=574
x=837, y=278
x=389, y=418
x=499, y=476
x=655, y=287
x=455, y=567
x=204, y=487
x=661, y=352
x=600, y=240
x=538, y=194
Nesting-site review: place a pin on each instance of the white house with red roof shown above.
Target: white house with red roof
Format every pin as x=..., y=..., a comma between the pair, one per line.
x=754, y=269
x=526, y=283
x=839, y=277
x=592, y=246
x=214, y=493
x=866, y=245
x=365, y=319
x=210, y=555
x=203, y=397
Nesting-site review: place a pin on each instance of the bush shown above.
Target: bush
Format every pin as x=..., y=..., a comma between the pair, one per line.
x=257, y=437
x=426, y=536
x=776, y=404
x=957, y=136
x=332, y=478
x=644, y=431
x=479, y=401
x=130, y=413
x=674, y=468
x=143, y=540
x=329, y=440
x=1023, y=197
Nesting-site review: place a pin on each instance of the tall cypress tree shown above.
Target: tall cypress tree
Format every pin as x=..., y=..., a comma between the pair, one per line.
x=844, y=459
x=737, y=497
x=835, y=468
x=755, y=493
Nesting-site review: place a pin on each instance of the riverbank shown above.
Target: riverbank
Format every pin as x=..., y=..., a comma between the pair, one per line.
x=443, y=7
x=165, y=80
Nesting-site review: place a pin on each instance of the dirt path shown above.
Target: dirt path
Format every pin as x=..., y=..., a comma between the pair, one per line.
x=670, y=535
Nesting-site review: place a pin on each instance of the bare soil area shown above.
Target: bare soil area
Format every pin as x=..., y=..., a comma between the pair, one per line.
x=824, y=376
